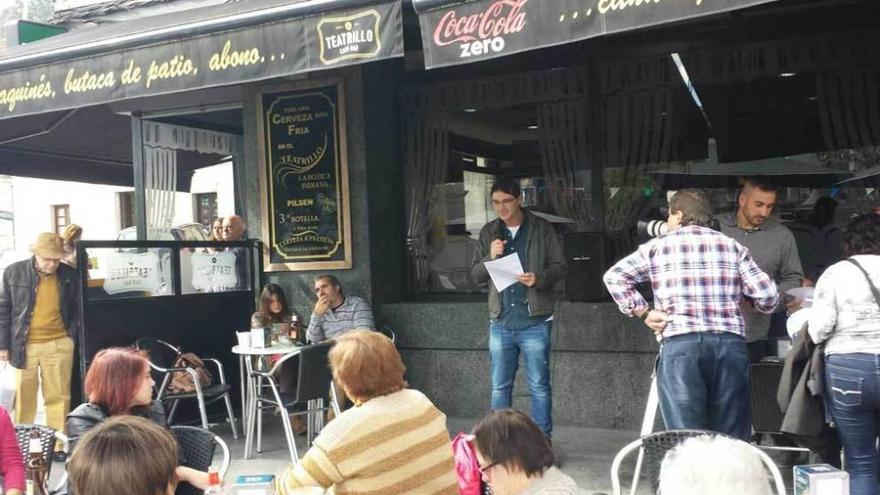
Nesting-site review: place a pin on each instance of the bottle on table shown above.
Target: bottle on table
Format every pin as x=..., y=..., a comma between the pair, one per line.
x=215, y=486
x=294, y=328
x=36, y=467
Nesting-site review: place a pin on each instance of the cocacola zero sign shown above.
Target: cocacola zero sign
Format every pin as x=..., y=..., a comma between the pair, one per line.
x=461, y=31
x=482, y=32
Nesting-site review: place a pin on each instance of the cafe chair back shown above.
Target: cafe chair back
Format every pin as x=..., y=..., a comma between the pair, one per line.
x=655, y=447
x=162, y=357
x=764, y=377
x=48, y=439
x=388, y=332
x=313, y=385
x=197, y=448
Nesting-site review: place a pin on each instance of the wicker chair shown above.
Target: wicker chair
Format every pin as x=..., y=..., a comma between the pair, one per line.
x=196, y=450
x=655, y=447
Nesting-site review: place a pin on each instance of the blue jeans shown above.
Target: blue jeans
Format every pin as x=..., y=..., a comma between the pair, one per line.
x=852, y=395
x=703, y=382
x=504, y=348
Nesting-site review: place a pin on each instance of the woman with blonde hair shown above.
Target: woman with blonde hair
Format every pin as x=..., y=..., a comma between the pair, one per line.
x=72, y=233
x=393, y=441
x=126, y=454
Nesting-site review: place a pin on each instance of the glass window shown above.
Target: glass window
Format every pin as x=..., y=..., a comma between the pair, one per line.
x=454, y=155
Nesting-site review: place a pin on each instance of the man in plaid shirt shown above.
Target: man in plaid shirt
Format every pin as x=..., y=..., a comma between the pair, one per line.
x=699, y=276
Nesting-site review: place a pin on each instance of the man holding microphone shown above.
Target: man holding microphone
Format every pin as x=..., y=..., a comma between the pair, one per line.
x=521, y=315
x=699, y=277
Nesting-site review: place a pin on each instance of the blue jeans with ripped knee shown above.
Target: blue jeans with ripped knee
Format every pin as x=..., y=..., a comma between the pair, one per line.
x=505, y=346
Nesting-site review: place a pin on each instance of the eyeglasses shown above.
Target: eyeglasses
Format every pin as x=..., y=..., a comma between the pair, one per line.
x=227, y=227
x=504, y=202
x=484, y=469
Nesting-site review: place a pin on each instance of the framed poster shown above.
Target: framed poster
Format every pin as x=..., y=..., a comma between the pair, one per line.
x=304, y=178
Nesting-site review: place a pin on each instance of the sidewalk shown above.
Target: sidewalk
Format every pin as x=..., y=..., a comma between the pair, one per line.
x=586, y=454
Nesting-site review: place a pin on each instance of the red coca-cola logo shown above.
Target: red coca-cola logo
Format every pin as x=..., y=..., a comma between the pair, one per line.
x=501, y=17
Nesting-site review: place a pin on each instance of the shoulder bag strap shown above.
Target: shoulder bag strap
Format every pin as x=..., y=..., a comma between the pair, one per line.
x=868, y=278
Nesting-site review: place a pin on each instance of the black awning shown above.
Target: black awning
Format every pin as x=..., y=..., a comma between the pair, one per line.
x=457, y=32
x=199, y=48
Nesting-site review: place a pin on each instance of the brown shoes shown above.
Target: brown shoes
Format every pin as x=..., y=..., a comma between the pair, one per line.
x=298, y=425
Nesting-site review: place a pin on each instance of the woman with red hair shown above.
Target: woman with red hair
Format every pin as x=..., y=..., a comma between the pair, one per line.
x=119, y=383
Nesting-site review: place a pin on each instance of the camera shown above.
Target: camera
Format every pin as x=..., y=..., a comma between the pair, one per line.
x=659, y=228
x=652, y=228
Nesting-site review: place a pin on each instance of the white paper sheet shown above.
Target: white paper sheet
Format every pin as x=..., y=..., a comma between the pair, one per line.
x=805, y=293
x=504, y=270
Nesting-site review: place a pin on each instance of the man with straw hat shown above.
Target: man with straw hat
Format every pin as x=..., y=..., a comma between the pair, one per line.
x=39, y=322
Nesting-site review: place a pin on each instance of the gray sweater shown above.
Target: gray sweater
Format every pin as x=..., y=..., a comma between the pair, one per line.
x=554, y=482
x=775, y=251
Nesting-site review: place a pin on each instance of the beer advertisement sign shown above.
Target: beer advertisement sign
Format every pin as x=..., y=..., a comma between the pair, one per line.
x=305, y=179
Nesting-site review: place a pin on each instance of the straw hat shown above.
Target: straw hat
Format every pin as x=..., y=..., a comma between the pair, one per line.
x=49, y=245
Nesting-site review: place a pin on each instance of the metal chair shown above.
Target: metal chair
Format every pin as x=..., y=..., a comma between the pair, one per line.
x=656, y=445
x=196, y=448
x=313, y=384
x=48, y=439
x=162, y=356
x=388, y=332
x=764, y=378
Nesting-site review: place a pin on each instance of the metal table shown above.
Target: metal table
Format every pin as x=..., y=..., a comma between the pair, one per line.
x=248, y=358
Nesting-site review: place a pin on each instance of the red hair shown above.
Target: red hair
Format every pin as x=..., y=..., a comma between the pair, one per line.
x=114, y=377
x=367, y=365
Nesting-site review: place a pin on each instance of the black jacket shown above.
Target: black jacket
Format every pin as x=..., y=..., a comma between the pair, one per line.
x=87, y=415
x=17, y=295
x=545, y=260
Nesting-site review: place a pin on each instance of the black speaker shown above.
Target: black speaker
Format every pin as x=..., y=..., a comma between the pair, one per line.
x=586, y=259
x=589, y=255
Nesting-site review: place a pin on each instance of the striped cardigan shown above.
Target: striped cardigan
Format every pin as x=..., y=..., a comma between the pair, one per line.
x=393, y=444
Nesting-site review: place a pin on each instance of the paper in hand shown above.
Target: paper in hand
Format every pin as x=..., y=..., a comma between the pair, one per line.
x=504, y=270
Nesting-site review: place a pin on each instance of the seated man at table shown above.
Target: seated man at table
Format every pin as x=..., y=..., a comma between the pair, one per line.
x=336, y=313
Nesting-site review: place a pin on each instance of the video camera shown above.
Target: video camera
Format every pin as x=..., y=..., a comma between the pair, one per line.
x=659, y=228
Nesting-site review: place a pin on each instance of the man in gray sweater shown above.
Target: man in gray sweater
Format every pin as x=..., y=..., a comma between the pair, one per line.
x=773, y=248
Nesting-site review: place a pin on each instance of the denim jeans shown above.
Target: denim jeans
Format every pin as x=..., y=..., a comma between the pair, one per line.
x=851, y=392
x=505, y=346
x=703, y=382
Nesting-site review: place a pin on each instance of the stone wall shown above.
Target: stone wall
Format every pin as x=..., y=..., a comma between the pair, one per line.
x=600, y=361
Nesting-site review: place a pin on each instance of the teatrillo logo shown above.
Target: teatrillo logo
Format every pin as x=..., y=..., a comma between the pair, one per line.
x=349, y=37
x=482, y=32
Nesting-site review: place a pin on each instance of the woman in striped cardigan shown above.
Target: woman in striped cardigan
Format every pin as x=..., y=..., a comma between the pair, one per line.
x=394, y=441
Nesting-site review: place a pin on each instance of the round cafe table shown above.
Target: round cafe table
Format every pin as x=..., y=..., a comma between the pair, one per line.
x=248, y=360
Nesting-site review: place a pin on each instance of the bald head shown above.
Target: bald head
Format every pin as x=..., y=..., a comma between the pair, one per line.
x=233, y=228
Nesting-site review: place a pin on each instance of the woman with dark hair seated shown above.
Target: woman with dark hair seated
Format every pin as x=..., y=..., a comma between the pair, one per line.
x=125, y=454
x=119, y=383
x=846, y=316
x=273, y=305
x=515, y=457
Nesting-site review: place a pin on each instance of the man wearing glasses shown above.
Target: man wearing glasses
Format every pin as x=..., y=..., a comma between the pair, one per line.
x=520, y=316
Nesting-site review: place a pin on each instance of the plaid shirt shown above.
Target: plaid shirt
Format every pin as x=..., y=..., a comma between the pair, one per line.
x=699, y=277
